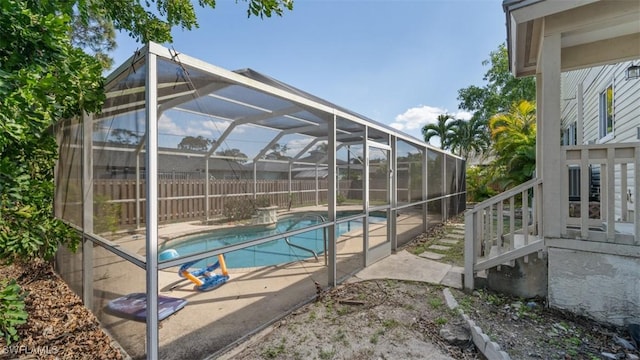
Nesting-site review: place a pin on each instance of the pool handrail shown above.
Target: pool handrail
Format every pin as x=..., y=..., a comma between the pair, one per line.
x=286, y=239
x=307, y=215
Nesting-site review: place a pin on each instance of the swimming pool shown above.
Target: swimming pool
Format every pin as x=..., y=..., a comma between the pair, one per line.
x=269, y=253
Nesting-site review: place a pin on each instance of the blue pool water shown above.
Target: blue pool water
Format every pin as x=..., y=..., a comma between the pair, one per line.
x=270, y=253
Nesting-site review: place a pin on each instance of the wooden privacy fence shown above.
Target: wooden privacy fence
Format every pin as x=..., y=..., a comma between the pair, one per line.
x=184, y=199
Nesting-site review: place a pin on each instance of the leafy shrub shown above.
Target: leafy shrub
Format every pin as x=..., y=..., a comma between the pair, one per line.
x=237, y=209
x=107, y=215
x=479, y=184
x=340, y=199
x=262, y=201
x=12, y=312
x=43, y=79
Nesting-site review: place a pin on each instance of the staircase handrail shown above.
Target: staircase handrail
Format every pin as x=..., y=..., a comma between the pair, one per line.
x=506, y=194
x=480, y=240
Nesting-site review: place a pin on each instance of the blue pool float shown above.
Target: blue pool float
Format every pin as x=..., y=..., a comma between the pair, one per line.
x=204, y=278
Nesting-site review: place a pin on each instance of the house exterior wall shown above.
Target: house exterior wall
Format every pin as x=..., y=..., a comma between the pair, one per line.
x=604, y=287
x=591, y=82
x=580, y=108
x=599, y=285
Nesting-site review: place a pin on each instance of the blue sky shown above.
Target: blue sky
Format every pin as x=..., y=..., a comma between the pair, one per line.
x=399, y=62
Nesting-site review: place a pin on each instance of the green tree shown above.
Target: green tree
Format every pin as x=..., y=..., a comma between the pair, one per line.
x=278, y=152
x=45, y=77
x=514, y=142
x=195, y=143
x=123, y=136
x=153, y=20
x=42, y=79
x=235, y=153
x=468, y=137
x=442, y=129
x=94, y=33
x=501, y=90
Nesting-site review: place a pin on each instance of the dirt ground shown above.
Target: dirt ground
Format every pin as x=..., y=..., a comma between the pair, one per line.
x=59, y=326
x=381, y=319
x=388, y=319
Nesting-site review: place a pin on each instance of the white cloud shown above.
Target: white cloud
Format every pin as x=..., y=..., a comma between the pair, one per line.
x=216, y=127
x=462, y=114
x=417, y=117
x=412, y=120
x=167, y=126
x=296, y=145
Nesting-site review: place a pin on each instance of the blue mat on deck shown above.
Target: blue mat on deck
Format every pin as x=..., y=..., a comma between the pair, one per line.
x=134, y=306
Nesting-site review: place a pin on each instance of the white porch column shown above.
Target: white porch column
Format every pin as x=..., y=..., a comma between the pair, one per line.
x=548, y=145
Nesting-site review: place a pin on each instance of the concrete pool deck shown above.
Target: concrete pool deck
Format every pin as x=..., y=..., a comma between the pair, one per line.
x=252, y=298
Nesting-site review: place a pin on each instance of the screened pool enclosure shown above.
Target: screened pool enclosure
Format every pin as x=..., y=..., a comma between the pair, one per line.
x=188, y=161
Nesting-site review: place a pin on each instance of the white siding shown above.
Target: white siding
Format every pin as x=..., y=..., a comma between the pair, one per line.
x=626, y=100
x=626, y=109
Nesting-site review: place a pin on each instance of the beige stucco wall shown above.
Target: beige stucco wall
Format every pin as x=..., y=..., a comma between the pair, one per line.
x=601, y=286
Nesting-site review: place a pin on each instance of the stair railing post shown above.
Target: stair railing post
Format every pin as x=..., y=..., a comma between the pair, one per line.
x=469, y=249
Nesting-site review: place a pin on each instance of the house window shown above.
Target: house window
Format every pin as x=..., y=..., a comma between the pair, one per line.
x=570, y=135
x=606, y=112
x=594, y=183
x=574, y=183
x=573, y=134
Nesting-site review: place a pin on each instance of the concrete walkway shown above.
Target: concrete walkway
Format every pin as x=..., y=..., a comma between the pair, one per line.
x=424, y=267
x=402, y=265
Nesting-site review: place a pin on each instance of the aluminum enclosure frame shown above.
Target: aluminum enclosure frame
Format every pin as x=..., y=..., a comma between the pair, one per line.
x=374, y=135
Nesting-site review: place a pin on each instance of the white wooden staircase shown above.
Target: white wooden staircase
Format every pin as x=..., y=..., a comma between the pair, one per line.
x=502, y=229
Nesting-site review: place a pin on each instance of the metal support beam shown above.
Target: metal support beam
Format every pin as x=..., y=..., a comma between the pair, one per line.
x=365, y=197
x=443, y=204
x=138, y=191
x=289, y=190
x=332, y=199
x=268, y=146
x=87, y=207
x=425, y=190
x=152, y=208
x=317, y=187
x=393, y=168
x=206, y=189
x=255, y=180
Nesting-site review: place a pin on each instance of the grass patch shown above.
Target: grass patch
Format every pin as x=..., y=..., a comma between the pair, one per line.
x=341, y=337
x=376, y=336
x=343, y=310
x=327, y=354
x=436, y=303
x=390, y=324
x=273, y=352
x=441, y=320
x=454, y=255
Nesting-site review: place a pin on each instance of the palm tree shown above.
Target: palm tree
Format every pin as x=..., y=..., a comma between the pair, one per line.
x=441, y=129
x=469, y=136
x=514, y=141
